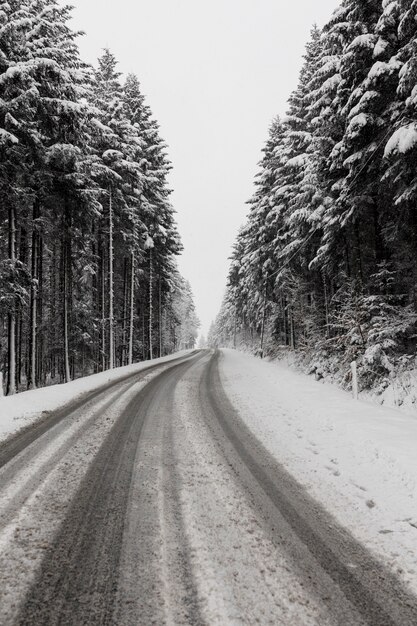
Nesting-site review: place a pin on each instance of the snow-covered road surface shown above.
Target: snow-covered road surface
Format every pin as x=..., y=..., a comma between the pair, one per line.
x=357, y=459
x=153, y=503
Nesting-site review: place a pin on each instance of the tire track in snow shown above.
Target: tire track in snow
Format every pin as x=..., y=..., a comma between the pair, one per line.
x=18, y=442
x=374, y=593
x=79, y=575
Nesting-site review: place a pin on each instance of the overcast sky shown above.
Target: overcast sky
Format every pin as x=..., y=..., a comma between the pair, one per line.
x=215, y=73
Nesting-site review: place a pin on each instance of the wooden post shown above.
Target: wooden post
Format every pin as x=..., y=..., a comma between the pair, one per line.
x=355, y=389
x=235, y=328
x=263, y=325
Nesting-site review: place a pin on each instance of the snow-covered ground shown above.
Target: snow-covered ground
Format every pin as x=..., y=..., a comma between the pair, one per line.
x=19, y=411
x=358, y=459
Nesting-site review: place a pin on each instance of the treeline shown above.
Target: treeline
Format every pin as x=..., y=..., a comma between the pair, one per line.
x=326, y=263
x=88, y=239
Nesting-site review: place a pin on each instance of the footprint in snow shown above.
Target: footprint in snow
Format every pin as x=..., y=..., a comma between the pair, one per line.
x=332, y=470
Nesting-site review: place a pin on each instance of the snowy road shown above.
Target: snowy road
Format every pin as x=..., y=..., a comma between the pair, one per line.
x=151, y=502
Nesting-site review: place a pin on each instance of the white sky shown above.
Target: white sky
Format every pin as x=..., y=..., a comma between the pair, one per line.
x=215, y=73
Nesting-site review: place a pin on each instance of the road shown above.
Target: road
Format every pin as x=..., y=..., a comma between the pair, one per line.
x=150, y=502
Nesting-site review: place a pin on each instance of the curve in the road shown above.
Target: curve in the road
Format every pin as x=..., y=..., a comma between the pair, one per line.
x=21, y=440
x=104, y=564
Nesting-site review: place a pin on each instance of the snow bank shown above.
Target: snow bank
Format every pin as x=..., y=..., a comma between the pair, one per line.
x=18, y=411
x=359, y=460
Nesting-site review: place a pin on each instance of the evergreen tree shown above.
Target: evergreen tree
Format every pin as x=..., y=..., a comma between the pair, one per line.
x=83, y=190
x=331, y=231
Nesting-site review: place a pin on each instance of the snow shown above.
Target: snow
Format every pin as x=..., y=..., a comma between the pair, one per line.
x=38, y=495
x=403, y=140
x=298, y=161
x=17, y=412
x=331, y=83
x=389, y=6
x=240, y=575
x=364, y=103
x=380, y=48
x=359, y=121
x=7, y=137
x=358, y=459
x=363, y=41
x=380, y=69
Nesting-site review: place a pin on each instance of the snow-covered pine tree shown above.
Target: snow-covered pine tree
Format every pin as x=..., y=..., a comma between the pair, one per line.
x=337, y=233
x=63, y=146
x=156, y=215
x=14, y=85
x=118, y=175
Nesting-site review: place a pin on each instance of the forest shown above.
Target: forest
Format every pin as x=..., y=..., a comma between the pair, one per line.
x=325, y=267
x=88, y=238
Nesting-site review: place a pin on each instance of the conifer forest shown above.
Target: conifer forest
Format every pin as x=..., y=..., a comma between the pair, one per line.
x=326, y=262
x=88, y=238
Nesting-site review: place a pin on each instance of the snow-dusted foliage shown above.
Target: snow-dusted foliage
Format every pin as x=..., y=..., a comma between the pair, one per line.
x=325, y=264
x=184, y=322
x=83, y=192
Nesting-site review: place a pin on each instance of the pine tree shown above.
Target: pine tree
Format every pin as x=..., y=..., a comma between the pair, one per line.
x=83, y=184
x=325, y=263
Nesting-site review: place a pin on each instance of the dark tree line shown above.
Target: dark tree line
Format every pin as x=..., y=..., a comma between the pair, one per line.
x=326, y=263
x=88, y=239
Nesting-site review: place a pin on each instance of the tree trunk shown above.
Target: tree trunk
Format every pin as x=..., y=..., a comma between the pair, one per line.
x=132, y=308
x=150, y=303
x=40, y=370
x=19, y=349
x=34, y=296
x=103, y=309
x=67, y=373
x=23, y=252
x=111, y=286
x=292, y=329
x=11, y=354
x=124, y=346
x=144, y=350
x=160, y=317
x=65, y=289
x=326, y=307
x=96, y=296
x=53, y=311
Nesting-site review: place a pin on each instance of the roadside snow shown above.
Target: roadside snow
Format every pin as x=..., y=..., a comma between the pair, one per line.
x=19, y=411
x=359, y=460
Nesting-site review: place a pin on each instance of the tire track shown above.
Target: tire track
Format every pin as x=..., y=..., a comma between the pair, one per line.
x=78, y=581
x=16, y=443
x=374, y=592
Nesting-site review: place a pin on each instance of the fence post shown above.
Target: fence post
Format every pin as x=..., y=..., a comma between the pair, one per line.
x=354, y=368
